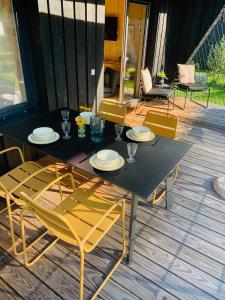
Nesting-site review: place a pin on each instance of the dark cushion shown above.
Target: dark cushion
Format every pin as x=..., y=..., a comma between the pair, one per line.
x=194, y=87
x=159, y=92
x=107, y=79
x=107, y=89
x=110, y=82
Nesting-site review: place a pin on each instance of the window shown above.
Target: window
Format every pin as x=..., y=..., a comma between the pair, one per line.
x=12, y=88
x=18, y=88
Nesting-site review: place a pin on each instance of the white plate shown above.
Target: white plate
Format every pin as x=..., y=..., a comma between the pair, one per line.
x=92, y=162
x=136, y=139
x=56, y=137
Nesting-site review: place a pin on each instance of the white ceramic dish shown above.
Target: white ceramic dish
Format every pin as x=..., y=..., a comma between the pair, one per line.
x=107, y=157
x=117, y=166
x=133, y=137
x=41, y=142
x=141, y=131
x=86, y=115
x=43, y=134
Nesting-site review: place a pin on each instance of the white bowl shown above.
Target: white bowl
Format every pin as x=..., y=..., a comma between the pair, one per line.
x=141, y=131
x=43, y=134
x=86, y=115
x=107, y=157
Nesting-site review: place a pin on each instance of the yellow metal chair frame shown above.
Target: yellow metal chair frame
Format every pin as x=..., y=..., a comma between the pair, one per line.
x=78, y=220
x=25, y=177
x=163, y=124
x=111, y=111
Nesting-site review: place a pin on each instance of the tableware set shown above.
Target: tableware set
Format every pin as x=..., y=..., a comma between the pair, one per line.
x=105, y=160
x=43, y=135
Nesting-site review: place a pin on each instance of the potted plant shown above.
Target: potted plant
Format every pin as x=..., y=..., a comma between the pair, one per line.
x=162, y=76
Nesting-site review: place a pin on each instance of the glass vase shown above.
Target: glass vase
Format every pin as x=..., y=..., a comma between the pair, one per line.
x=81, y=131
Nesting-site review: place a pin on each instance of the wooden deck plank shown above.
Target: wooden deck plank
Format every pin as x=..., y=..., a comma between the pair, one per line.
x=7, y=293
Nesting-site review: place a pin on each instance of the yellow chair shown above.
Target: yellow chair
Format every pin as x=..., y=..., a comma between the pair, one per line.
x=28, y=177
x=81, y=219
x=111, y=111
x=163, y=124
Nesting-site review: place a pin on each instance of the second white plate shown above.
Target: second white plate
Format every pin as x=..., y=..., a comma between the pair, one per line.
x=136, y=139
x=56, y=137
x=92, y=162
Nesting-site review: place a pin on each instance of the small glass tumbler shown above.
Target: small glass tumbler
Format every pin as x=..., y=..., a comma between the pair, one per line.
x=119, y=130
x=66, y=129
x=131, y=149
x=97, y=128
x=65, y=114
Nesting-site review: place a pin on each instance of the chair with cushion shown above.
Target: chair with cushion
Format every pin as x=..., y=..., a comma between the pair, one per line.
x=81, y=219
x=189, y=83
x=28, y=177
x=162, y=124
x=110, y=82
x=111, y=111
x=150, y=92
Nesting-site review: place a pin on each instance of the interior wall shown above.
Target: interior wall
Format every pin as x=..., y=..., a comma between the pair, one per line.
x=113, y=49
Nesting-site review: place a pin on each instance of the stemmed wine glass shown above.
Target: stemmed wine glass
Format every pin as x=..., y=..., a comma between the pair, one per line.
x=119, y=130
x=131, y=149
x=65, y=115
x=66, y=129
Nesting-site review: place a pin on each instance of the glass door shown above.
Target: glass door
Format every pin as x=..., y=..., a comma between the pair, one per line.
x=137, y=21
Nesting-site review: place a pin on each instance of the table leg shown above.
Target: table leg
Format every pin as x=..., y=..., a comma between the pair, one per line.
x=133, y=219
x=169, y=191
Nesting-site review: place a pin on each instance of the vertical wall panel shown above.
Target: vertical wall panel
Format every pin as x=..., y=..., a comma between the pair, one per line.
x=72, y=45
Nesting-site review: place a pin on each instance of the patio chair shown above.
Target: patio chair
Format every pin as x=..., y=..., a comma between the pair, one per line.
x=82, y=219
x=111, y=111
x=162, y=124
x=189, y=83
x=150, y=92
x=28, y=177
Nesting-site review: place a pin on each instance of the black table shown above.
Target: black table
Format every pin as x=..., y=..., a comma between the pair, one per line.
x=155, y=160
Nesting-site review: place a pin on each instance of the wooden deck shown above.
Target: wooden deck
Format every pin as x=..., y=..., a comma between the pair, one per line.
x=179, y=254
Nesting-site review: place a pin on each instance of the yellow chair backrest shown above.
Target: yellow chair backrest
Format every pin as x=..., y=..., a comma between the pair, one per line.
x=161, y=123
x=114, y=112
x=54, y=221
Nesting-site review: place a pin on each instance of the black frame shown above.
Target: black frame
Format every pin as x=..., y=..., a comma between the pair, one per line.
x=27, y=66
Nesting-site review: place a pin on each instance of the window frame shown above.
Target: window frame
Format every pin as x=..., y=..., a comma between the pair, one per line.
x=31, y=103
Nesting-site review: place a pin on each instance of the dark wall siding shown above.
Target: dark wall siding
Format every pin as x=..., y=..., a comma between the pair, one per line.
x=72, y=47
x=187, y=22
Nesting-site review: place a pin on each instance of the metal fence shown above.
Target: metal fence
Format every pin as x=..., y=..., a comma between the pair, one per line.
x=209, y=60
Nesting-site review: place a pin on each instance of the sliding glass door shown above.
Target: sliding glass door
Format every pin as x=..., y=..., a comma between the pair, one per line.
x=136, y=35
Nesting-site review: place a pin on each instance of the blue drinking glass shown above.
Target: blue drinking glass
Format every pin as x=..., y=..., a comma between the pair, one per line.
x=97, y=127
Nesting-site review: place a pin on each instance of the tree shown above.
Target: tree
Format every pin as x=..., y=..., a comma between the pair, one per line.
x=216, y=57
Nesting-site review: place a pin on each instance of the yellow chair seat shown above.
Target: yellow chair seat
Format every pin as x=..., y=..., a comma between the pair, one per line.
x=31, y=187
x=82, y=211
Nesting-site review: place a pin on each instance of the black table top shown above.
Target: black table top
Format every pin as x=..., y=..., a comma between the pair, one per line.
x=154, y=159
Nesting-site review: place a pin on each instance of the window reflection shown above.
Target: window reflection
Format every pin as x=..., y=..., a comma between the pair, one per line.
x=12, y=89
